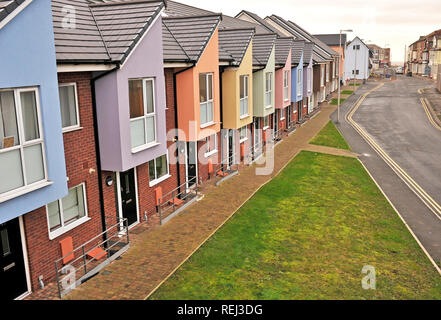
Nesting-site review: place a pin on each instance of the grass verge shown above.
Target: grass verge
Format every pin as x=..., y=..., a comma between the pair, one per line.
x=334, y=101
x=329, y=136
x=307, y=235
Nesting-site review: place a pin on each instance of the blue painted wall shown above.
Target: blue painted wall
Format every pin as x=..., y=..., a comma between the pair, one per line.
x=295, y=97
x=27, y=58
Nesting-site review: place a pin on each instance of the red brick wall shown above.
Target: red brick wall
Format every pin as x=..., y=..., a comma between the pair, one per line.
x=81, y=168
x=305, y=106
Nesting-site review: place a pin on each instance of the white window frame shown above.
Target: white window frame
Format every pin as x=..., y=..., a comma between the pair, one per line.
x=282, y=114
x=309, y=79
x=242, y=140
x=246, y=97
x=77, y=108
x=299, y=82
x=270, y=91
x=206, y=103
x=265, y=127
x=66, y=228
x=322, y=76
x=164, y=177
x=208, y=151
x=146, y=115
x=286, y=85
x=26, y=188
x=327, y=73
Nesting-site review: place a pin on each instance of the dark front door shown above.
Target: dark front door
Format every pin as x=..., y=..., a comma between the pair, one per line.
x=191, y=163
x=230, y=148
x=128, y=196
x=12, y=267
x=299, y=110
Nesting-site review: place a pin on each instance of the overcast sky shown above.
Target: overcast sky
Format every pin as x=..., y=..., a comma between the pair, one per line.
x=393, y=22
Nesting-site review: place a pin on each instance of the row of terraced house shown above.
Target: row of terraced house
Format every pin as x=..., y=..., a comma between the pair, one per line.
x=112, y=113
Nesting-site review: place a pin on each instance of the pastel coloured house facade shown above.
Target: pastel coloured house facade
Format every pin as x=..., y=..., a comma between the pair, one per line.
x=32, y=162
x=283, y=87
x=237, y=94
x=191, y=56
x=308, y=76
x=297, y=78
x=357, y=61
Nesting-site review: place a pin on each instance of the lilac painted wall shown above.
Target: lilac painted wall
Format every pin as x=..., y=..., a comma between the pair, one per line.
x=112, y=96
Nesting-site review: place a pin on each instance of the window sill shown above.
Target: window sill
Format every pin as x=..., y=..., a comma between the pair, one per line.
x=209, y=154
x=209, y=124
x=265, y=128
x=244, y=116
x=55, y=234
x=268, y=107
x=24, y=190
x=281, y=119
x=243, y=140
x=158, y=181
x=145, y=147
x=71, y=129
x=286, y=100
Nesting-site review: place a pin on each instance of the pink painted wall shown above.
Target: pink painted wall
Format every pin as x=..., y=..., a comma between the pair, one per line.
x=280, y=102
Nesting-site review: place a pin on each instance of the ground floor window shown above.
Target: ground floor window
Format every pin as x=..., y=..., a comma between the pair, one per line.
x=243, y=134
x=266, y=123
x=210, y=145
x=158, y=169
x=68, y=212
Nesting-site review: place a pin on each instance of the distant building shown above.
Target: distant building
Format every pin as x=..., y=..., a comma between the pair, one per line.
x=380, y=57
x=337, y=44
x=424, y=55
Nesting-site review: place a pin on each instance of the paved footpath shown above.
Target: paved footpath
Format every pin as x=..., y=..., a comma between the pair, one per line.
x=158, y=252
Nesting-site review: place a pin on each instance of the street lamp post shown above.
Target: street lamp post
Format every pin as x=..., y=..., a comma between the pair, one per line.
x=339, y=75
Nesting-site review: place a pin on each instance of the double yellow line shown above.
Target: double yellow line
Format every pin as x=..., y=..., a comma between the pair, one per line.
x=425, y=104
x=433, y=206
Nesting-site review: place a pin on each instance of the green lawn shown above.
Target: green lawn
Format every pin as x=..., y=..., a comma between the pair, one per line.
x=330, y=137
x=307, y=235
x=347, y=92
x=334, y=101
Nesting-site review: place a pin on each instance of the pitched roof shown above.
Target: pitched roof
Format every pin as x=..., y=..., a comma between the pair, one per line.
x=235, y=42
x=283, y=48
x=263, y=45
x=301, y=33
x=269, y=28
x=332, y=40
x=307, y=52
x=177, y=9
x=297, y=51
x=9, y=8
x=106, y=31
x=185, y=38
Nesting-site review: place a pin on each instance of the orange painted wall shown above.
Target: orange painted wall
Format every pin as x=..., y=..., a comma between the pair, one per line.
x=340, y=51
x=187, y=91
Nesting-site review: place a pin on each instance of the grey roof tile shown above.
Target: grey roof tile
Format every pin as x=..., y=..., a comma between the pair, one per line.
x=332, y=40
x=8, y=7
x=283, y=47
x=235, y=42
x=307, y=52
x=106, y=31
x=185, y=37
x=264, y=25
x=263, y=45
x=298, y=49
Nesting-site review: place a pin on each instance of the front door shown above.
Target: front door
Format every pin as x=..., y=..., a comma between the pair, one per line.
x=276, y=123
x=191, y=164
x=299, y=110
x=128, y=196
x=12, y=267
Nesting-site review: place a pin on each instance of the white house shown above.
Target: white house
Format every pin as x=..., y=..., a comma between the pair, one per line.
x=357, y=60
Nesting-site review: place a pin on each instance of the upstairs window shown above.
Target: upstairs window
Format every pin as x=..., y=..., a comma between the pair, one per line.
x=206, y=99
x=142, y=113
x=244, y=93
x=299, y=82
x=322, y=76
x=69, y=106
x=286, y=85
x=268, y=89
x=22, y=157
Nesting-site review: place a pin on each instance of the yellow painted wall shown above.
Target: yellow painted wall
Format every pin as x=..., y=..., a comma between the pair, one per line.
x=231, y=92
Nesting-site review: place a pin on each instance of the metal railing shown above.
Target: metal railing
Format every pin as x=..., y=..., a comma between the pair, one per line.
x=174, y=199
x=278, y=135
x=86, y=258
x=227, y=166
